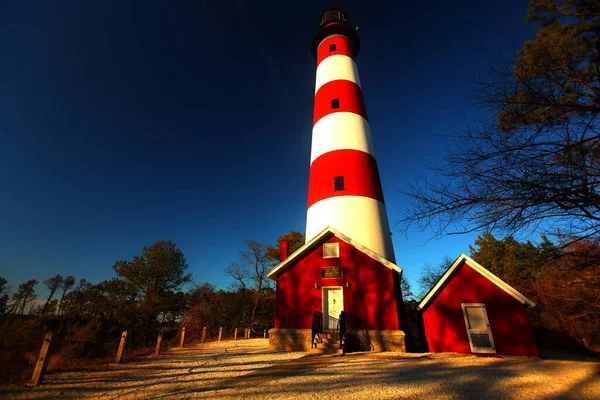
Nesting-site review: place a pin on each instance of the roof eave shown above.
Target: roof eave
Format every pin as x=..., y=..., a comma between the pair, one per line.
x=323, y=235
x=463, y=258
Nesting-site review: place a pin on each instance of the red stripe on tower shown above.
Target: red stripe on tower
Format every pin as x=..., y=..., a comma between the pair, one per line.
x=344, y=185
x=334, y=45
x=337, y=96
x=356, y=173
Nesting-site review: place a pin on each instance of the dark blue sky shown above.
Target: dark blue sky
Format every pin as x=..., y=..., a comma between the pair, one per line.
x=124, y=123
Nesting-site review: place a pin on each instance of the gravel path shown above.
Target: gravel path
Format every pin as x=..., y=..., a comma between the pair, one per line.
x=247, y=369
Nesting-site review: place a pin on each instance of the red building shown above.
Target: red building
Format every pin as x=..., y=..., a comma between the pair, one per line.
x=333, y=273
x=471, y=310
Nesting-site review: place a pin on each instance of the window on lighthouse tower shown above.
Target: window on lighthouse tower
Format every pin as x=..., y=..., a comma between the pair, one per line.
x=332, y=47
x=338, y=183
x=335, y=103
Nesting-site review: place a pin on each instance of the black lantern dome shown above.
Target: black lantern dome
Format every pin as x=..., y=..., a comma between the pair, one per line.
x=334, y=22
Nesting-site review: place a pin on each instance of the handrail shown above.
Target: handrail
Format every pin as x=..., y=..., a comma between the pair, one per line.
x=338, y=326
x=317, y=326
x=342, y=327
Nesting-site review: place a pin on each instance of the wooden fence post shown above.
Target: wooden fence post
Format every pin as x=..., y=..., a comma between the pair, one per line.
x=42, y=361
x=182, y=337
x=121, y=347
x=235, y=334
x=220, y=333
x=158, y=342
x=203, y=334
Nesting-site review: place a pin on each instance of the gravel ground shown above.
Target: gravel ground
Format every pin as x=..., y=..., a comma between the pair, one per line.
x=247, y=369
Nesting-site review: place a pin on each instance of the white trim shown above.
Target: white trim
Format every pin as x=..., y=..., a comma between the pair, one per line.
x=474, y=349
x=462, y=259
x=335, y=247
x=324, y=235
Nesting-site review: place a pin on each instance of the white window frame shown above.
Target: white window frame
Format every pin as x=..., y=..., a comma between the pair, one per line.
x=489, y=330
x=335, y=246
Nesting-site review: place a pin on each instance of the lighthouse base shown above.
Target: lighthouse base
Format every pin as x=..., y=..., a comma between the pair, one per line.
x=371, y=340
x=290, y=339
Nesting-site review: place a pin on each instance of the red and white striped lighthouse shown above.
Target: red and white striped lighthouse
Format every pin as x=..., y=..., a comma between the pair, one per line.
x=344, y=185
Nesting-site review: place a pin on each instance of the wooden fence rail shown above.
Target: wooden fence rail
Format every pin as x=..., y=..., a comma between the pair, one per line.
x=48, y=344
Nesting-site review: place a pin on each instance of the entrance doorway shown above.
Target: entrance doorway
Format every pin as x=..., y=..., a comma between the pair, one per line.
x=333, y=305
x=478, y=328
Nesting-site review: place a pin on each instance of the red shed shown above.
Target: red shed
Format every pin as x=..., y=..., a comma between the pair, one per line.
x=333, y=273
x=471, y=310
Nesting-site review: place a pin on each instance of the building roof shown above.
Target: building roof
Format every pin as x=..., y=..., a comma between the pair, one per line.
x=322, y=237
x=464, y=259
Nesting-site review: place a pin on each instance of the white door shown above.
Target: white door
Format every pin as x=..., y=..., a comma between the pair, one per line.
x=478, y=328
x=333, y=305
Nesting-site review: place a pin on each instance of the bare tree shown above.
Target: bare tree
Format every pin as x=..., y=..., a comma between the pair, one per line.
x=252, y=270
x=431, y=274
x=536, y=164
x=240, y=274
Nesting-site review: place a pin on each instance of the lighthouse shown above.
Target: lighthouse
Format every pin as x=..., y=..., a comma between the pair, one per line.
x=344, y=189
x=340, y=291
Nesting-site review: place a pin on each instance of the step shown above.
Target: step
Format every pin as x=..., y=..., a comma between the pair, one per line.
x=328, y=346
x=326, y=351
x=328, y=336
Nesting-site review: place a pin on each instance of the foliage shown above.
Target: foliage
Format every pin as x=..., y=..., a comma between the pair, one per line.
x=3, y=295
x=536, y=165
x=562, y=281
x=228, y=310
x=154, y=276
x=74, y=302
x=88, y=319
x=295, y=240
x=24, y=297
x=19, y=345
x=53, y=284
x=568, y=289
x=517, y=263
x=115, y=306
x=66, y=285
x=160, y=268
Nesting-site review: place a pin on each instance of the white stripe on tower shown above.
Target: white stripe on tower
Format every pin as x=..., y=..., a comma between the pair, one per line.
x=343, y=212
x=342, y=130
x=336, y=67
x=344, y=186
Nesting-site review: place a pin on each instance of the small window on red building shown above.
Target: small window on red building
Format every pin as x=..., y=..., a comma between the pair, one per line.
x=335, y=103
x=331, y=250
x=332, y=47
x=338, y=183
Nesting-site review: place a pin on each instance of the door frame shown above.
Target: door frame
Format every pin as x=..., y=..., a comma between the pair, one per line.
x=324, y=299
x=488, y=331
